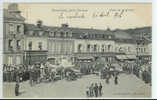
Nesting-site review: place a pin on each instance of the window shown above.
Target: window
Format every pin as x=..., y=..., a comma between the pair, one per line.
x=51, y=34
x=88, y=48
x=66, y=34
x=31, y=33
x=18, y=60
x=18, y=44
x=79, y=47
x=109, y=47
x=18, y=28
x=95, y=35
x=141, y=50
x=95, y=48
x=129, y=49
x=11, y=29
x=10, y=45
x=58, y=34
x=144, y=50
x=85, y=35
x=109, y=37
x=103, y=36
x=120, y=49
x=70, y=34
x=30, y=45
x=62, y=34
x=10, y=60
x=102, y=48
x=40, y=45
x=40, y=33
x=54, y=34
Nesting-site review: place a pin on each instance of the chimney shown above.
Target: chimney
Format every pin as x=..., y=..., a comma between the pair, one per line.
x=64, y=25
x=39, y=23
x=13, y=8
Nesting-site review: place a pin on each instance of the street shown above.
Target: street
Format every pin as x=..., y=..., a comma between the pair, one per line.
x=128, y=86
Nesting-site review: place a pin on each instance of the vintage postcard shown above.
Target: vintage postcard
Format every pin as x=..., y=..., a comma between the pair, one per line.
x=77, y=50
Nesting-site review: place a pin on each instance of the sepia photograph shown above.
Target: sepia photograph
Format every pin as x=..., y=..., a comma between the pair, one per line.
x=77, y=50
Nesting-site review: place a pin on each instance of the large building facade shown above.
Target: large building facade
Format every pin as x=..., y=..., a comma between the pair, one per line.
x=13, y=35
x=29, y=43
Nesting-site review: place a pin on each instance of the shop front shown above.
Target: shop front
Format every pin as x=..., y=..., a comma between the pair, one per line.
x=32, y=57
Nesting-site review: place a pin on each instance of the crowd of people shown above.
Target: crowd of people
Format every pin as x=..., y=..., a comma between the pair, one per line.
x=94, y=90
x=143, y=73
x=141, y=70
x=39, y=72
x=12, y=73
x=36, y=73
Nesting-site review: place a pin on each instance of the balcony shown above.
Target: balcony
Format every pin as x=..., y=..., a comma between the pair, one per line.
x=94, y=54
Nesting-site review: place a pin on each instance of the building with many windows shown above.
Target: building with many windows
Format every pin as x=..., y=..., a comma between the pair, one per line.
x=13, y=35
x=30, y=43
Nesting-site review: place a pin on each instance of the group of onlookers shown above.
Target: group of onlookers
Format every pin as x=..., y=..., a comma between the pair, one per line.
x=143, y=73
x=12, y=73
x=94, y=90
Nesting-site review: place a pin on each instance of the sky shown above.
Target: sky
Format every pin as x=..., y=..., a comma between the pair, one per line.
x=89, y=15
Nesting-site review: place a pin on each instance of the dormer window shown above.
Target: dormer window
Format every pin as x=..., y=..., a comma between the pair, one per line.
x=70, y=34
x=103, y=36
x=55, y=34
x=31, y=33
x=109, y=37
x=51, y=33
x=40, y=33
x=58, y=34
x=62, y=34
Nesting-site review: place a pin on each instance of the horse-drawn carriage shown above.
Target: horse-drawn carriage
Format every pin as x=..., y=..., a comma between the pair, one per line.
x=105, y=73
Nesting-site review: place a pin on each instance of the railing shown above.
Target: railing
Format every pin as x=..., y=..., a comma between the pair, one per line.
x=95, y=53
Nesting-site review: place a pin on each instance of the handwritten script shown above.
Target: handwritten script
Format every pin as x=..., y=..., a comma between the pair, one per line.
x=84, y=13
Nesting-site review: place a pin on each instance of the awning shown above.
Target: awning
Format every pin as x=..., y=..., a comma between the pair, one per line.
x=131, y=56
x=51, y=58
x=84, y=58
x=121, y=57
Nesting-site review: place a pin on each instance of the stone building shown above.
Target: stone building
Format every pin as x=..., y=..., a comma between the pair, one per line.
x=30, y=43
x=13, y=35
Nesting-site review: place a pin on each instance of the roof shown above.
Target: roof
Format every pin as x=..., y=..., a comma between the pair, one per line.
x=9, y=15
x=122, y=35
x=29, y=27
x=118, y=34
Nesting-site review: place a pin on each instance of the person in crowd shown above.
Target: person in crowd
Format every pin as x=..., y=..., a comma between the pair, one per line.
x=87, y=92
x=100, y=89
x=107, y=79
x=9, y=75
x=96, y=90
x=38, y=74
x=12, y=75
x=31, y=77
x=17, y=88
x=116, y=80
x=91, y=90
